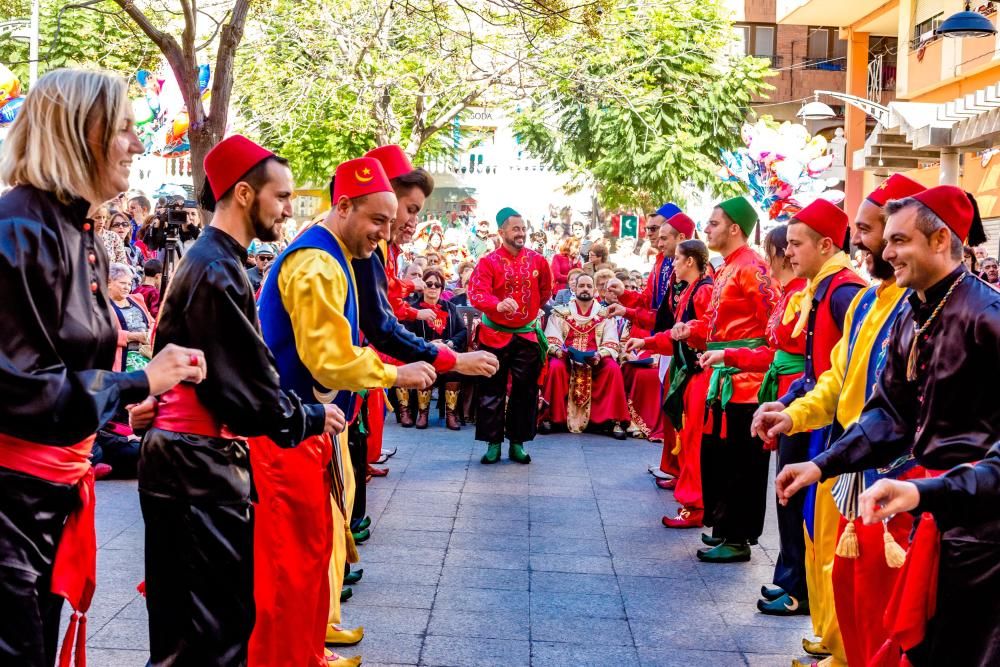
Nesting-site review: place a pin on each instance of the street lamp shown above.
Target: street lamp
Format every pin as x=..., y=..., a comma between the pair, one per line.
x=966, y=24
x=816, y=110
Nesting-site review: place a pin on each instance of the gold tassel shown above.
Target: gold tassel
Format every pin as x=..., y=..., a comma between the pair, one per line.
x=352, y=549
x=677, y=446
x=895, y=555
x=847, y=547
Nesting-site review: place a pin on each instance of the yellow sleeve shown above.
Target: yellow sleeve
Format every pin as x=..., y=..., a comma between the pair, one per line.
x=818, y=407
x=313, y=290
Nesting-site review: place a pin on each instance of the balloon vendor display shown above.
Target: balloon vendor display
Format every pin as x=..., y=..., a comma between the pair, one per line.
x=11, y=98
x=161, y=117
x=782, y=167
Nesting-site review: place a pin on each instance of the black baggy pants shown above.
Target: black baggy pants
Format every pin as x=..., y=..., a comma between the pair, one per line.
x=195, y=493
x=734, y=475
x=357, y=447
x=790, y=568
x=514, y=415
x=32, y=514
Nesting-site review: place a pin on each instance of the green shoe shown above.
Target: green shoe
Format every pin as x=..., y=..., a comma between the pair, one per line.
x=770, y=593
x=725, y=553
x=353, y=577
x=711, y=541
x=492, y=454
x=346, y=593
x=362, y=537
x=518, y=454
x=364, y=523
x=786, y=605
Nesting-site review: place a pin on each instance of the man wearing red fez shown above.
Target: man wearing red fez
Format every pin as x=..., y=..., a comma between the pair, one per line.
x=803, y=331
x=510, y=285
x=734, y=465
x=309, y=310
x=932, y=402
x=194, y=470
x=823, y=413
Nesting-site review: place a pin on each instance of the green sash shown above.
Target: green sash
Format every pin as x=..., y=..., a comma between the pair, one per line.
x=720, y=387
x=531, y=327
x=785, y=363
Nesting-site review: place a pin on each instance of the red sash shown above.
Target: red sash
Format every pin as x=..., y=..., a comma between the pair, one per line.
x=74, y=572
x=181, y=411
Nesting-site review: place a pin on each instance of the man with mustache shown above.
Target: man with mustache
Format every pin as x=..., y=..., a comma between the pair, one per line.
x=510, y=285
x=836, y=402
x=584, y=382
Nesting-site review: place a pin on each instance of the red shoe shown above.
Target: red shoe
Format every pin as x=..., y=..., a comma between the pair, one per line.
x=685, y=519
x=377, y=472
x=101, y=470
x=667, y=484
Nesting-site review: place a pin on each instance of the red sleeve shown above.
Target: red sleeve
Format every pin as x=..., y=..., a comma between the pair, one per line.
x=396, y=291
x=660, y=343
x=699, y=326
x=445, y=359
x=560, y=269
x=644, y=317
x=480, y=289
x=755, y=360
x=544, y=281
x=757, y=285
x=631, y=299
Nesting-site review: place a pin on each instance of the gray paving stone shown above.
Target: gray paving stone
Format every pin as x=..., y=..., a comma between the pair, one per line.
x=548, y=544
x=517, y=544
x=390, y=574
x=475, y=652
x=501, y=560
x=398, y=595
x=651, y=656
x=485, y=526
x=547, y=603
x=581, y=630
x=666, y=633
x=480, y=577
x=605, y=584
x=407, y=621
x=576, y=564
x=123, y=633
x=384, y=646
x=559, y=654
x=411, y=522
x=117, y=657
x=481, y=599
x=401, y=556
x=408, y=538
x=497, y=624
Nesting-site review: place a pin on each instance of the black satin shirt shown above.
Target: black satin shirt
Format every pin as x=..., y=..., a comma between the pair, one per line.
x=210, y=306
x=59, y=340
x=950, y=414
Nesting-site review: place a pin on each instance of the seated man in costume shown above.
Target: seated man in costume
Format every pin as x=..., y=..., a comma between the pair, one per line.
x=584, y=382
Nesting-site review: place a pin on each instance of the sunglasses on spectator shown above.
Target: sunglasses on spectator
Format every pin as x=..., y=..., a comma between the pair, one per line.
x=433, y=285
x=266, y=258
x=119, y=225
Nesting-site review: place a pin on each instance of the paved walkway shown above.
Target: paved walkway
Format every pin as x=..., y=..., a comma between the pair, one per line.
x=562, y=562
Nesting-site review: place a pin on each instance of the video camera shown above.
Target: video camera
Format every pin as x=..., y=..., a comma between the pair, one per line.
x=171, y=216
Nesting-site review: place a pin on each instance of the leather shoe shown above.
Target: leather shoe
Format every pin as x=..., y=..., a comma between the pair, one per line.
x=712, y=541
x=815, y=648
x=353, y=577
x=492, y=454
x=618, y=433
x=361, y=537
x=339, y=636
x=518, y=454
x=337, y=660
x=346, y=593
x=667, y=484
x=377, y=472
x=726, y=553
x=771, y=592
x=684, y=519
x=786, y=605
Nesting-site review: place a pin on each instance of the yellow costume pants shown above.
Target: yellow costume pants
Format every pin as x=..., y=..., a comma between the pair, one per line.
x=820, y=551
x=340, y=557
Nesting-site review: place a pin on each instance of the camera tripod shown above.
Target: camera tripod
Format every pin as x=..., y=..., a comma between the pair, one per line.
x=172, y=253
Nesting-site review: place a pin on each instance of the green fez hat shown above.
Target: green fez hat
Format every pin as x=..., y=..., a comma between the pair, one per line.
x=504, y=214
x=741, y=212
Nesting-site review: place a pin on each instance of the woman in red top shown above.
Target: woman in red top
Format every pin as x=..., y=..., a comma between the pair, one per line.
x=567, y=259
x=688, y=383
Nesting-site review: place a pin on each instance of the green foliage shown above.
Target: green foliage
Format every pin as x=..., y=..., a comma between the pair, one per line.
x=96, y=36
x=645, y=107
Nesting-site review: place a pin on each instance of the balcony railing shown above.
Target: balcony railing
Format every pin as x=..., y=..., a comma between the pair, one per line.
x=828, y=64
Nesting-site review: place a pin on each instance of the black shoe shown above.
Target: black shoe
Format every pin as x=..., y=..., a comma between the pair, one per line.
x=353, y=577
x=346, y=594
x=712, y=541
x=770, y=593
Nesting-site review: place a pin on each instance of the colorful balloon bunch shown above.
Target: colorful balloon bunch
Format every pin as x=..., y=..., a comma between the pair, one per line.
x=10, y=96
x=782, y=167
x=161, y=117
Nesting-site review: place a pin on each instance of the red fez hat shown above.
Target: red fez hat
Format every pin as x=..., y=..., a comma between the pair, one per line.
x=682, y=223
x=230, y=160
x=896, y=186
x=957, y=209
x=393, y=160
x=359, y=177
x=826, y=219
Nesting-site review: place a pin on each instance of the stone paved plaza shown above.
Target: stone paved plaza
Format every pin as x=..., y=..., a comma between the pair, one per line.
x=562, y=562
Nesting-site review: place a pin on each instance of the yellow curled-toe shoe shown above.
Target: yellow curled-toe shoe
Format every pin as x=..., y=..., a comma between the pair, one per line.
x=337, y=660
x=340, y=636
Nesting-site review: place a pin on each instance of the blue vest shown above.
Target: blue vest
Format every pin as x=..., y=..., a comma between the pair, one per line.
x=276, y=325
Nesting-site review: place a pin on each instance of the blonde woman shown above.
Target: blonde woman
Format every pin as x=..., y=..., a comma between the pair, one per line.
x=69, y=151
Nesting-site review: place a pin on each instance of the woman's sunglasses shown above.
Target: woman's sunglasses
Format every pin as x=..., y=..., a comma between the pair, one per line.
x=433, y=285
